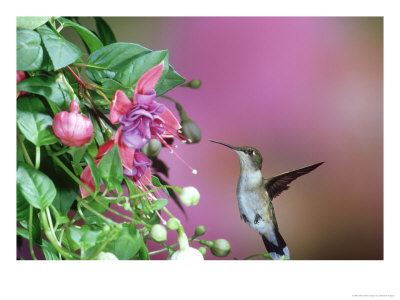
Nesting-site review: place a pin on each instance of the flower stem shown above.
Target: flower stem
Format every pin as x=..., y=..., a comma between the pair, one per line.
x=30, y=233
x=76, y=77
x=89, y=208
x=37, y=158
x=53, y=240
x=175, y=188
x=265, y=255
x=24, y=152
x=109, y=238
x=68, y=171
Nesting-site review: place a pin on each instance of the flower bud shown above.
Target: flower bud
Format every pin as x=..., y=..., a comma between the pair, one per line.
x=200, y=230
x=72, y=128
x=189, y=196
x=194, y=84
x=106, y=256
x=221, y=248
x=21, y=76
x=158, y=232
x=203, y=250
x=191, y=131
x=173, y=224
x=152, y=148
x=188, y=253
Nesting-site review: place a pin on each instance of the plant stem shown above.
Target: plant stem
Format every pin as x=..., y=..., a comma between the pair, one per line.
x=88, y=66
x=53, y=240
x=88, y=207
x=175, y=188
x=109, y=238
x=163, y=249
x=30, y=233
x=254, y=255
x=37, y=158
x=62, y=151
x=76, y=77
x=68, y=171
x=24, y=152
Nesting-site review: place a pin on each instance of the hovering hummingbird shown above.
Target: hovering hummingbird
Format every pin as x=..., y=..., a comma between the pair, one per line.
x=255, y=194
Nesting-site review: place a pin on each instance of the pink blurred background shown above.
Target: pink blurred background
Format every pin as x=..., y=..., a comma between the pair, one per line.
x=301, y=90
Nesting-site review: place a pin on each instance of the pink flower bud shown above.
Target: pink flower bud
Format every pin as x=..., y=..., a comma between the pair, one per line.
x=21, y=76
x=72, y=128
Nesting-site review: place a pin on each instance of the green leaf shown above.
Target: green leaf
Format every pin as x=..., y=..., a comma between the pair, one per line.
x=171, y=80
x=89, y=238
x=77, y=153
x=22, y=207
x=109, y=86
x=61, y=51
x=159, y=204
x=48, y=88
x=95, y=172
x=90, y=39
x=110, y=168
x=36, y=187
x=29, y=50
x=128, y=243
x=104, y=31
x=31, y=22
x=66, y=188
x=130, y=73
x=125, y=63
x=33, y=121
x=72, y=237
x=50, y=253
x=144, y=252
x=156, y=182
x=36, y=231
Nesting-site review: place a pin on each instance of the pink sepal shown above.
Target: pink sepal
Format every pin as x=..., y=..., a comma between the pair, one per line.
x=148, y=80
x=170, y=122
x=120, y=105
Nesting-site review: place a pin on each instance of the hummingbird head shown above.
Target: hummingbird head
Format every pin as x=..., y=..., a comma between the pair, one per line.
x=250, y=158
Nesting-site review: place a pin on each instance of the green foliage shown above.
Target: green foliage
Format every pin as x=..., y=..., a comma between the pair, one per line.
x=90, y=39
x=31, y=22
x=29, y=50
x=104, y=31
x=126, y=62
x=34, y=123
x=49, y=88
x=36, y=187
x=61, y=52
x=110, y=168
x=50, y=210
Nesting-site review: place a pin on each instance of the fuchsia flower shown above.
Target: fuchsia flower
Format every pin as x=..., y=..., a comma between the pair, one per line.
x=144, y=118
x=141, y=120
x=21, y=76
x=135, y=164
x=73, y=128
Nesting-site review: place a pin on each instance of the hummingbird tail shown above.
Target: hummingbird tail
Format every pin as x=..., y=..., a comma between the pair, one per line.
x=275, y=244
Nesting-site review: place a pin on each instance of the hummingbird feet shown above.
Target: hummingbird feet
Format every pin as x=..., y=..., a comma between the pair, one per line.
x=257, y=219
x=245, y=218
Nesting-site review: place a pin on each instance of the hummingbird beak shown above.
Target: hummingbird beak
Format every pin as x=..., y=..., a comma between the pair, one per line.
x=227, y=145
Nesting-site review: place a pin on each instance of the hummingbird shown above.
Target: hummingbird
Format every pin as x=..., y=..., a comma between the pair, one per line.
x=255, y=193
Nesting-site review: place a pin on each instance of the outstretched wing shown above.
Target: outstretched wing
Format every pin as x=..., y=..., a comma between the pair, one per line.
x=277, y=184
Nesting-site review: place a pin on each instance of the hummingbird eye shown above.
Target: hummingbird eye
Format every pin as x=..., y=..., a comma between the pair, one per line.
x=250, y=152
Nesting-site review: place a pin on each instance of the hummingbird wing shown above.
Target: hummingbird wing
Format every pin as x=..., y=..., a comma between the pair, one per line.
x=277, y=184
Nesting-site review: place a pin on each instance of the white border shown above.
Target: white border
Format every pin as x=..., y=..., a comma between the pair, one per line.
x=211, y=279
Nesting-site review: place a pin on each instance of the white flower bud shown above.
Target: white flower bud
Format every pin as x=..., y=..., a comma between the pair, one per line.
x=106, y=256
x=189, y=196
x=158, y=232
x=173, y=224
x=187, y=254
